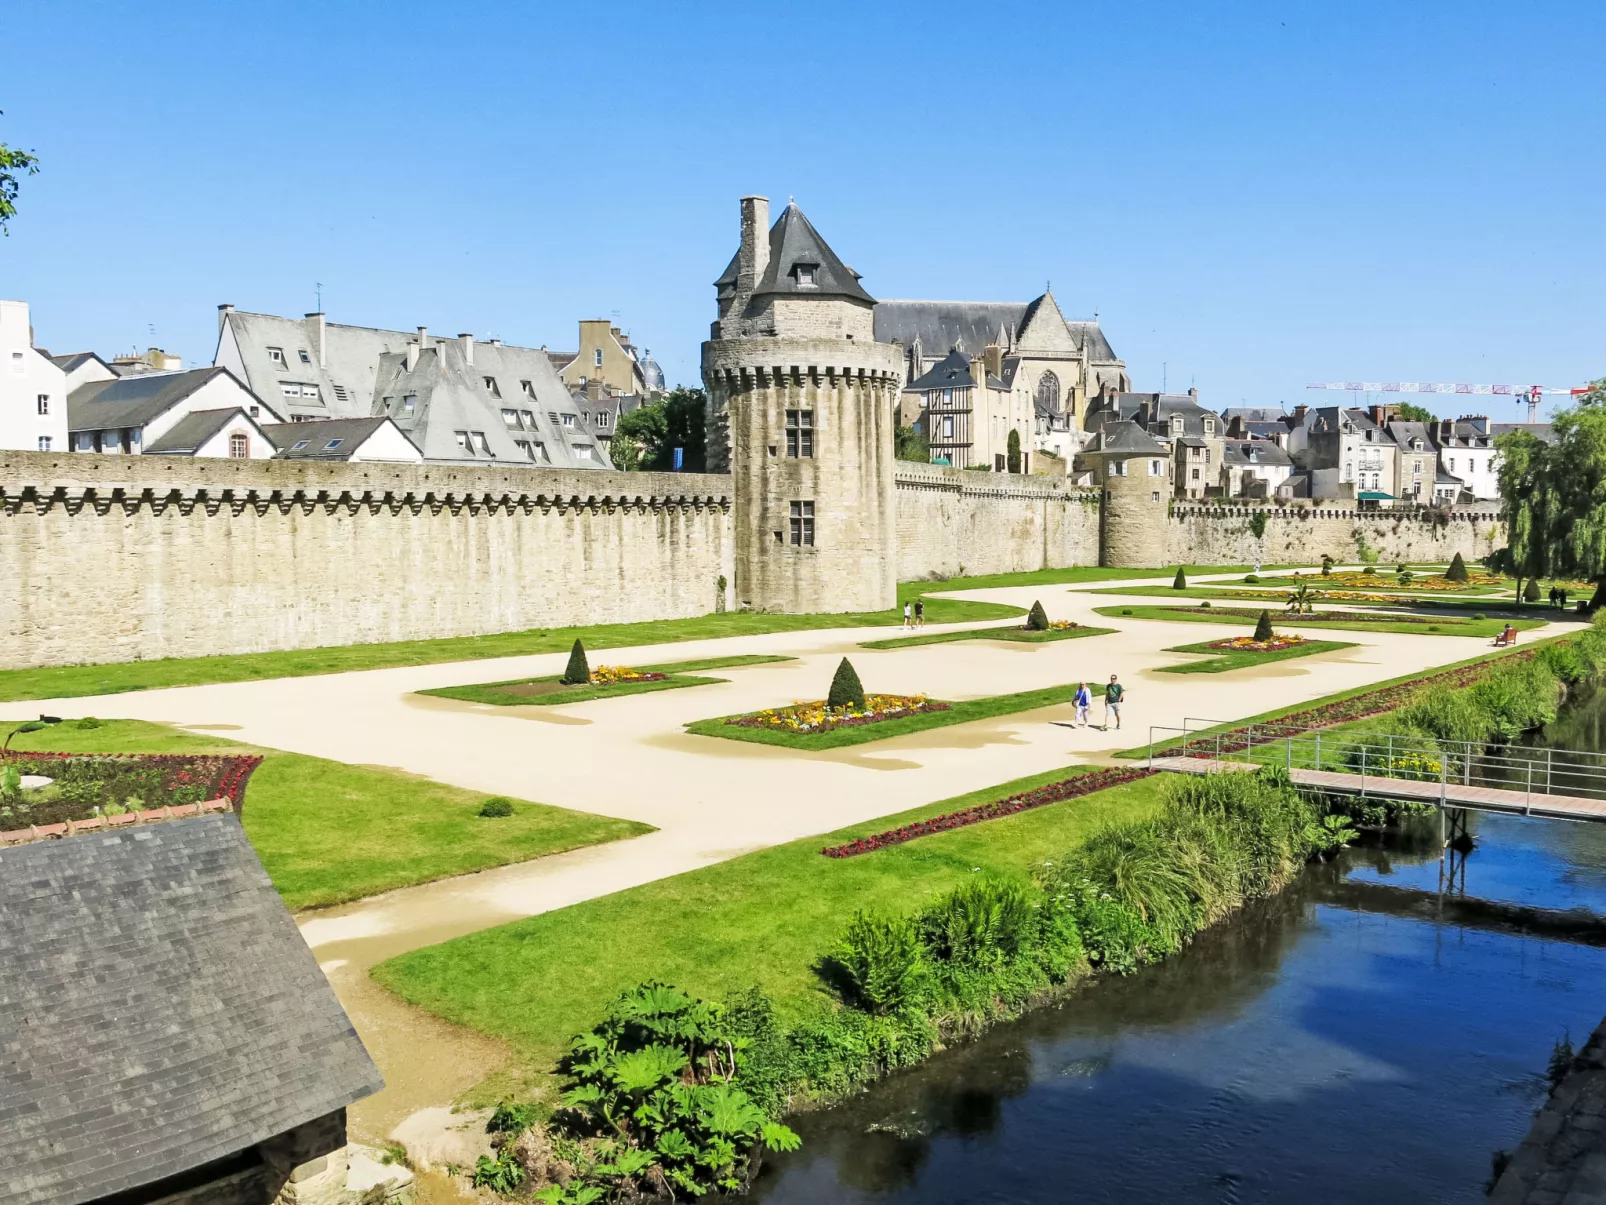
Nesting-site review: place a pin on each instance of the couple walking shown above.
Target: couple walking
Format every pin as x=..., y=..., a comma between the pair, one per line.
x=1113, y=694
x=914, y=615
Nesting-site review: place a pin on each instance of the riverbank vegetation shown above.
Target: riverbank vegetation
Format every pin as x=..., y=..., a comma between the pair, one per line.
x=897, y=975
x=328, y=832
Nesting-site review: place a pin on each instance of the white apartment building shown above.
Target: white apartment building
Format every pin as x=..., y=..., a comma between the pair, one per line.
x=33, y=389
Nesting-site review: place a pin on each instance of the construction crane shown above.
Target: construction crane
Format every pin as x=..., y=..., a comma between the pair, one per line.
x=1529, y=393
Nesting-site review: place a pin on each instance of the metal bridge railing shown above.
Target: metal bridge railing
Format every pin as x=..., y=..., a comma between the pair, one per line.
x=1573, y=773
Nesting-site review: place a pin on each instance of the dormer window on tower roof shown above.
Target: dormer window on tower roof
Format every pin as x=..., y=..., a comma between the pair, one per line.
x=806, y=275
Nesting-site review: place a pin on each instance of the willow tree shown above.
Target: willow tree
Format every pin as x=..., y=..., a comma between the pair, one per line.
x=1553, y=496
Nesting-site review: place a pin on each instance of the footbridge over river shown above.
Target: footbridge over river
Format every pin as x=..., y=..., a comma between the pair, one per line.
x=1455, y=776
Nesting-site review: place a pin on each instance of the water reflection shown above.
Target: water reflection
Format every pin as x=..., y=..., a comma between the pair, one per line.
x=1351, y=1040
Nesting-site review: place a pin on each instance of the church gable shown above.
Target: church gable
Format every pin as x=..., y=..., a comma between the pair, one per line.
x=1043, y=331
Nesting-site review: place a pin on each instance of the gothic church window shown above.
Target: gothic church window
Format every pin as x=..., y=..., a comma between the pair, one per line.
x=1048, y=392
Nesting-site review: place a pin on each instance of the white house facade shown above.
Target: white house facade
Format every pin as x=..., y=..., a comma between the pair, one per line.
x=33, y=388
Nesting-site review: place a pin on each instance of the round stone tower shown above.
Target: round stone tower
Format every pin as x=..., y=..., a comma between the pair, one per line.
x=1133, y=471
x=801, y=400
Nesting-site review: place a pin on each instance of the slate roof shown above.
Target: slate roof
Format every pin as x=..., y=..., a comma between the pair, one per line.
x=351, y=432
x=1544, y=432
x=76, y=359
x=1126, y=436
x=133, y=401
x=1404, y=432
x=158, y=1011
x=794, y=240
x=972, y=325
x=1244, y=453
x=951, y=372
x=193, y=430
x=1255, y=414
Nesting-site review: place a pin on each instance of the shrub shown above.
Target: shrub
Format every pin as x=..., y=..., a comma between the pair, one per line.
x=1251, y=579
x=880, y=963
x=1205, y=604
x=88, y=722
x=980, y=924
x=1257, y=523
x=578, y=671
x=1327, y=566
x=845, y=688
x=1180, y=582
x=1037, y=618
x=1479, y=615
x=496, y=807
x=1263, y=626
x=1126, y=610
x=1517, y=697
x=1530, y=592
x=1457, y=572
x=514, y=1118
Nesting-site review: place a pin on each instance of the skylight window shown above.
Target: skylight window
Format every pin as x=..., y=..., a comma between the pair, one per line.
x=333, y=444
x=299, y=444
x=305, y=358
x=276, y=356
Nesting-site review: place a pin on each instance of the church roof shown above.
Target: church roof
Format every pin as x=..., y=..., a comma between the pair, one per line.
x=794, y=241
x=972, y=325
x=159, y=1011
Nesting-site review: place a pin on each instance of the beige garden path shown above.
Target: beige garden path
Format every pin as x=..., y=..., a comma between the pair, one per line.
x=710, y=799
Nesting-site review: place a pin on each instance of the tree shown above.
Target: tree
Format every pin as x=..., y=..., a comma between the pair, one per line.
x=1037, y=618
x=1012, y=459
x=1263, y=626
x=645, y=439
x=1180, y=582
x=1553, y=496
x=845, y=688
x=578, y=672
x=910, y=443
x=14, y=164
x=1457, y=572
x=1412, y=413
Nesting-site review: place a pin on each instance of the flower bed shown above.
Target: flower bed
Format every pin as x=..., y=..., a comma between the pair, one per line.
x=1393, y=617
x=1248, y=644
x=612, y=675
x=1061, y=625
x=1054, y=792
x=88, y=785
x=817, y=717
x=1425, y=582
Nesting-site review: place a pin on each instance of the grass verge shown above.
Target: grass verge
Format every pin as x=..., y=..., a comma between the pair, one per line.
x=860, y=734
x=551, y=691
x=762, y=919
x=1223, y=660
x=328, y=832
x=1015, y=635
x=1441, y=625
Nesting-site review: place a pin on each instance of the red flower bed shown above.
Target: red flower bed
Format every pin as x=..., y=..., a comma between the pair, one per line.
x=1356, y=707
x=90, y=784
x=1054, y=792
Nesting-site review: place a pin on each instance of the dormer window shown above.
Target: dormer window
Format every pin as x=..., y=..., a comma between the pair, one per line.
x=490, y=386
x=806, y=275
x=276, y=356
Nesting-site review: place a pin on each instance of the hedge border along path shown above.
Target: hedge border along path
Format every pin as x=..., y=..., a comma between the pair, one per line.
x=1054, y=792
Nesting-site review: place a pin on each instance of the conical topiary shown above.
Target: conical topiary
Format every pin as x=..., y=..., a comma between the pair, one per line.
x=1263, y=626
x=1327, y=566
x=845, y=688
x=1457, y=572
x=578, y=672
x=1037, y=618
x=1530, y=592
x=1180, y=582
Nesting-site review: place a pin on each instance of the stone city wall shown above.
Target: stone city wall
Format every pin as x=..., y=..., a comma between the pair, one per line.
x=114, y=558
x=1304, y=531
x=953, y=522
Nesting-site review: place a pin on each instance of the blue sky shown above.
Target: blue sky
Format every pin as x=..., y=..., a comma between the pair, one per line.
x=1252, y=196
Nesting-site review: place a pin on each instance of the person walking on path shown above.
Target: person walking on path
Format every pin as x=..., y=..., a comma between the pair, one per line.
x=1555, y=598
x=920, y=612
x=906, y=613
x=1563, y=592
x=1083, y=700
x=1113, y=694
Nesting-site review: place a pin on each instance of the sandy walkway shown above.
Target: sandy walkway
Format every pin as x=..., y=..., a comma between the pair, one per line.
x=711, y=799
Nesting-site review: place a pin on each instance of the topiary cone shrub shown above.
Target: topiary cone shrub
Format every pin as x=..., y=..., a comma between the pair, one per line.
x=1037, y=618
x=1180, y=582
x=578, y=672
x=1263, y=626
x=1457, y=572
x=845, y=688
x=1530, y=592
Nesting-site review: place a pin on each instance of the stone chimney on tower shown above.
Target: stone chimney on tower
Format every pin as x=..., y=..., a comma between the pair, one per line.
x=754, y=255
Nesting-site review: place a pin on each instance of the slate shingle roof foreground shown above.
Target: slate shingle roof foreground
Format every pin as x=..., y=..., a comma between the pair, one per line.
x=158, y=1010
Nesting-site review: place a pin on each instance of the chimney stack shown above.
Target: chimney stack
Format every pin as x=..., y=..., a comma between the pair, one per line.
x=468, y=347
x=1300, y=411
x=315, y=334
x=223, y=312
x=1379, y=414
x=754, y=255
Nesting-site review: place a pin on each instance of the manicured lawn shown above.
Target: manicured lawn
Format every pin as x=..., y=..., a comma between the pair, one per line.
x=75, y=681
x=1384, y=579
x=762, y=919
x=1333, y=597
x=1015, y=635
x=1222, y=660
x=550, y=691
x=1445, y=625
x=328, y=832
x=1062, y=577
x=860, y=734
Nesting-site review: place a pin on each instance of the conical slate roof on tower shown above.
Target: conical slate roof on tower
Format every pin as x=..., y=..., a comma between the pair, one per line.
x=802, y=263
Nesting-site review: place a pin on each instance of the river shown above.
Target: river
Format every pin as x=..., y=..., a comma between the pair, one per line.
x=1352, y=1040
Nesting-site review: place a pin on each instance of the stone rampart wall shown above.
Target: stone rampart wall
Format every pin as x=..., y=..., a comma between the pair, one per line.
x=107, y=558
x=1224, y=535
x=951, y=521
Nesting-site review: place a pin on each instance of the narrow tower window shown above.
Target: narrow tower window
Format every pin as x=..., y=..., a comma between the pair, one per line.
x=800, y=433
x=802, y=523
